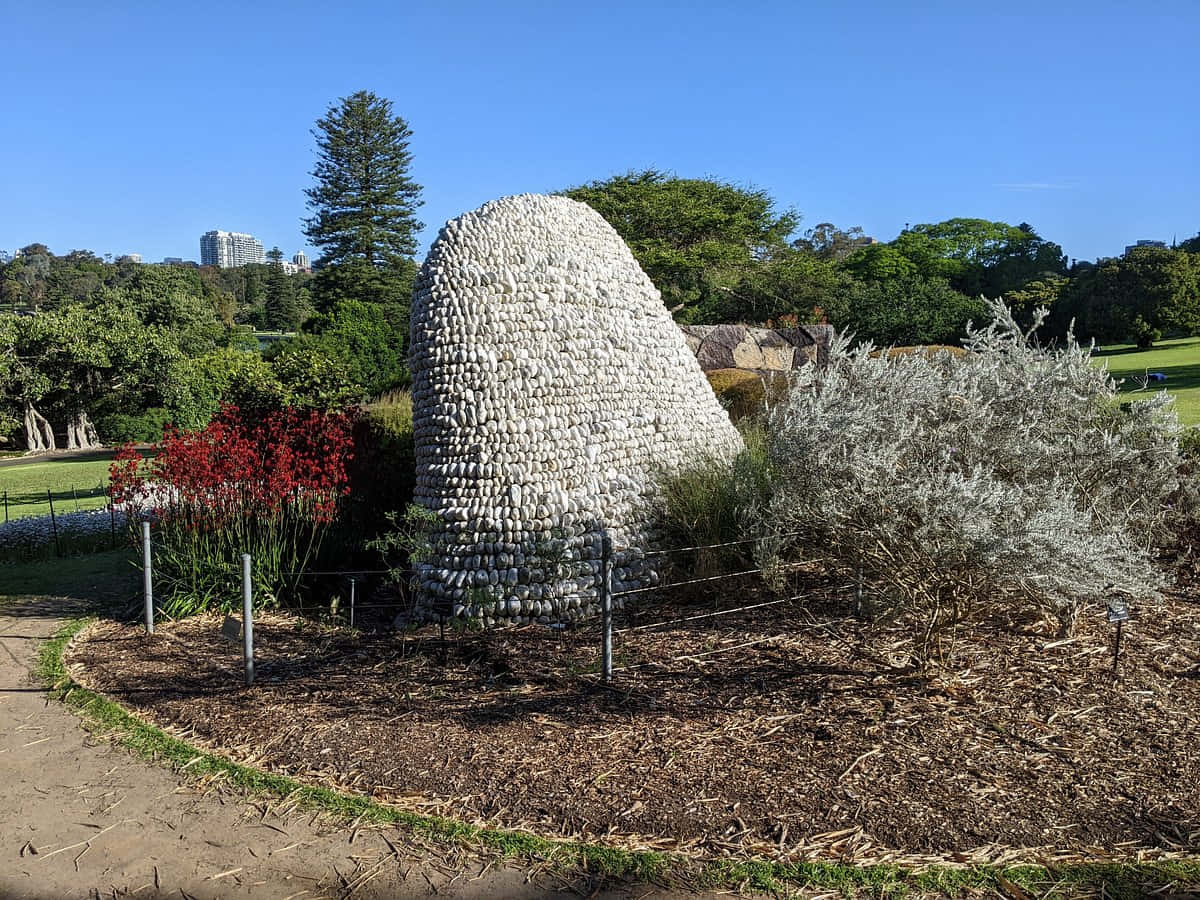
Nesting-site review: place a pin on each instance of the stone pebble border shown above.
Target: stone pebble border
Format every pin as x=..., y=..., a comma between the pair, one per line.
x=1133, y=878
x=35, y=532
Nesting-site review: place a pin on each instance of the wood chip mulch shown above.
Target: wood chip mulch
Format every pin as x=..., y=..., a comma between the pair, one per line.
x=768, y=731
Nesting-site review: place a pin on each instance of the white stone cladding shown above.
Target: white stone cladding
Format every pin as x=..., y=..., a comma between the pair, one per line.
x=550, y=389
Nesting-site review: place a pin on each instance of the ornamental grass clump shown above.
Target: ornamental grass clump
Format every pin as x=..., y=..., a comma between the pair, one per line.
x=267, y=484
x=713, y=505
x=1011, y=478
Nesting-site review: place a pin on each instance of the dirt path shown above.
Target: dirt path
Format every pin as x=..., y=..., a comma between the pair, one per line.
x=82, y=818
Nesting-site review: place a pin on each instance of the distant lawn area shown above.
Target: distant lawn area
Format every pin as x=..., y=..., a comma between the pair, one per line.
x=104, y=575
x=27, y=483
x=1179, y=360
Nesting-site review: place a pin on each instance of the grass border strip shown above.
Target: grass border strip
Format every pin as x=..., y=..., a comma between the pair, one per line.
x=1116, y=879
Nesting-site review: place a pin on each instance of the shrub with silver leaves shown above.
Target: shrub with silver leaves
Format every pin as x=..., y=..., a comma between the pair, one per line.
x=950, y=484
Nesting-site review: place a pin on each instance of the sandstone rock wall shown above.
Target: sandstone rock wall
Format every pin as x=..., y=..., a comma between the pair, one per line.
x=758, y=349
x=550, y=389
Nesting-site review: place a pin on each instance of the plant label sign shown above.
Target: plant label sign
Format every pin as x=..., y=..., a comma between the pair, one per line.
x=1118, y=612
x=231, y=629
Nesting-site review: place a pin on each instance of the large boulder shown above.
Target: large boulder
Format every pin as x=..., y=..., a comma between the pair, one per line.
x=551, y=391
x=758, y=349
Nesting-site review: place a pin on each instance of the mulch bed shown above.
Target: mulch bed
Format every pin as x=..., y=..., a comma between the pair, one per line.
x=767, y=731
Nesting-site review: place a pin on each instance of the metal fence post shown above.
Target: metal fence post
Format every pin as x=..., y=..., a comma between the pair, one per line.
x=1117, y=648
x=606, y=607
x=53, y=523
x=6, y=506
x=147, y=577
x=352, y=580
x=247, y=619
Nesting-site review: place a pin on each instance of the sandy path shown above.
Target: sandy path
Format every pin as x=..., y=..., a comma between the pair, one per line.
x=82, y=818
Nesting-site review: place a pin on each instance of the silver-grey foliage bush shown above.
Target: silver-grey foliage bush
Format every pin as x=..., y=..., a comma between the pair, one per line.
x=951, y=484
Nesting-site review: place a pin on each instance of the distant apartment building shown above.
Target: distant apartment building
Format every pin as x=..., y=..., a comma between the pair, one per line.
x=226, y=249
x=299, y=263
x=1140, y=244
x=130, y=257
x=174, y=261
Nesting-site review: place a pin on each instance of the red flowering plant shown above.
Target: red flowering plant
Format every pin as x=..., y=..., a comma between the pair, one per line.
x=268, y=484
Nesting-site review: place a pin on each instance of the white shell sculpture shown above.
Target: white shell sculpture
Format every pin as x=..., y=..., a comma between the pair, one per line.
x=551, y=389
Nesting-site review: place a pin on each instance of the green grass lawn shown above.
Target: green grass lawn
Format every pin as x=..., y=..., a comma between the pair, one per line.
x=97, y=576
x=27, y=484
x=1179, y=360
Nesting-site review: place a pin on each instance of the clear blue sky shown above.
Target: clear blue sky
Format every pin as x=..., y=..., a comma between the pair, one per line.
x=135, y=127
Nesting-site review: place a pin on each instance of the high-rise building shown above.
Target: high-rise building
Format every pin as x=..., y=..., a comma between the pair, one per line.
x=227, y=249
x=1162, y=245
x=300, y=259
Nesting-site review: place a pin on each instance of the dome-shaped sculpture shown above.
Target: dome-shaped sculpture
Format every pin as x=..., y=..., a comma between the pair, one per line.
x=550, y=390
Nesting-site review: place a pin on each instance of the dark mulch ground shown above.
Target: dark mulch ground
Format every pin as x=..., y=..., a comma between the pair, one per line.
x=766, y=730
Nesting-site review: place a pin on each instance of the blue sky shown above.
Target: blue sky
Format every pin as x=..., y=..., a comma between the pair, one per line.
x=135, y=127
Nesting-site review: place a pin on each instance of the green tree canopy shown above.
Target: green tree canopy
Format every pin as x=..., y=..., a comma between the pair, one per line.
x=315, y=379
x=827, y=241
x=879, y=262
x=199, y=302
x=905, y=311
x=390, y=289
x=695, y=238
x=67, y=362
x=1022, y=260
x=790, y=283
x=978, y=256
x=362, y=348
x=1141, y=296
x=169, y=297
x=1040, y=293
x=23, y=384
x=197, y=387
x=26, y=278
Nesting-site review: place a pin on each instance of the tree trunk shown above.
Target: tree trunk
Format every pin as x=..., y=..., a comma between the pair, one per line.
x=81, y=433
x=39, y=435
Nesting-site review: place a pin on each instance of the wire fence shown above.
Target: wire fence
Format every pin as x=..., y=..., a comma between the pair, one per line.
x=353, y=596
x=60, y=522
x=23, y=504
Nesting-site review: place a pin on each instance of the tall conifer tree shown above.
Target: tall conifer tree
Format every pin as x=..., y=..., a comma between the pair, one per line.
x=364, y=202
x=282, y=308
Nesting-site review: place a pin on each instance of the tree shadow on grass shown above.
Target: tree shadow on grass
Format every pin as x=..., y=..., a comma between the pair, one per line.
x=1160, y=348
x=96, y=583
x=1179, y=378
